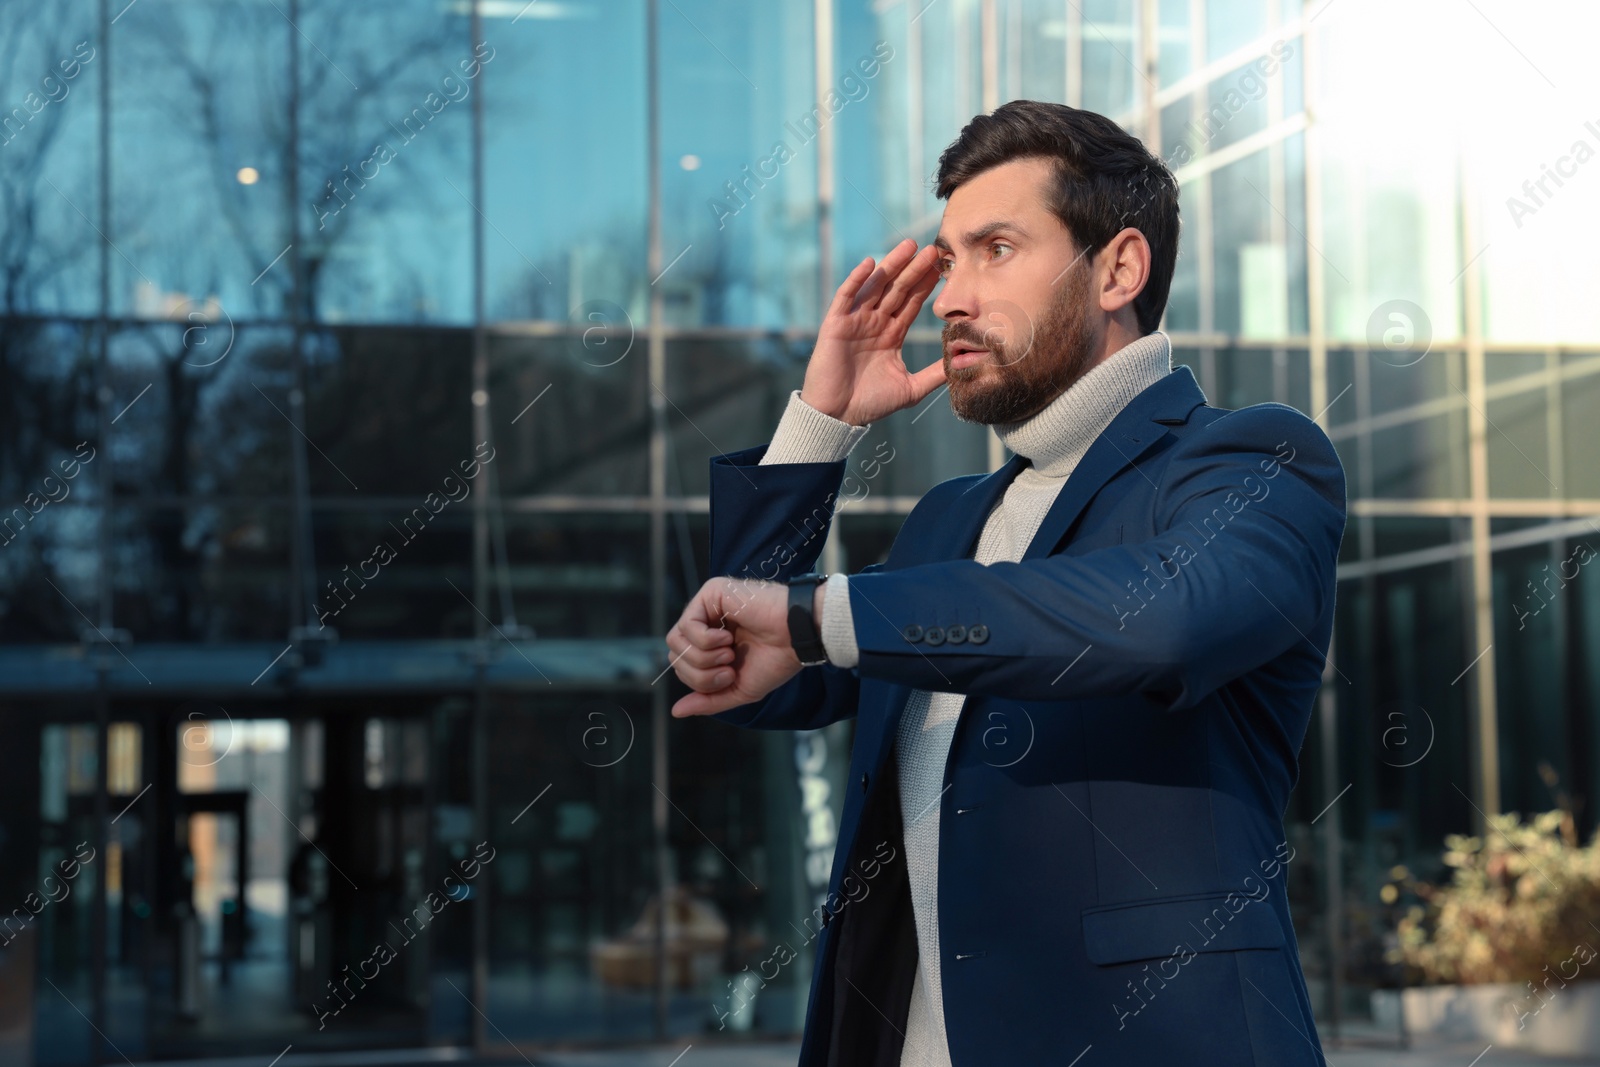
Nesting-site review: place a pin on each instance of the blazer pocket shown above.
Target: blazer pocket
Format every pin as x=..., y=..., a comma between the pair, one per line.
x=1155, y=929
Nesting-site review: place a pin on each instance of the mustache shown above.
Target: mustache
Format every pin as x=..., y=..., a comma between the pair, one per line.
x=967, y=332
x=989, y=340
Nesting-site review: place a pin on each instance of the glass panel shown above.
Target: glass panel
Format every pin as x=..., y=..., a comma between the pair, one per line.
x=1249, y=273
x=1244, y=376
x=58, y=547
x=200, y=410
x=1534, y=599
x=1110, y=55
x=725, y=396
x=571, y=956
x=1183, y=298
x=47, y=396
x=1255, y=376
x=1033, y=50
x=688, y=556
x=1584, y=696
x=1534, y=183
x=388, y=411
x=873, y=214
x=1391, y=186
x=201, y=185
x=571, y=413
x=1234, y=24
x=866, y=539
x=49, y=169
x=1507, y=366
x=1380, y=382
x=1402, y=762
x=204, y=573
x=1393, y=535
x=1416, y=650
x=1425, y=458
x=578, y=575
x=388, y=573
x=1401, y=380
x=385, y=149
x=62, y=932
x=735, y=851
x=1236, y=103
x=932, y=87
x=546, y=251
x=1177, y=42
x=1293, y=371
x=872, y=166
x=739, y=192
x=1519, y=446
x=51, y=466
x=1580, y=430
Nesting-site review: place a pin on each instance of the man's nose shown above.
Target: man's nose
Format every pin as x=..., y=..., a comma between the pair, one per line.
x=957, y=299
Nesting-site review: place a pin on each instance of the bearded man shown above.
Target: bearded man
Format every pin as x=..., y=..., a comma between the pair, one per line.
x=1080, y=682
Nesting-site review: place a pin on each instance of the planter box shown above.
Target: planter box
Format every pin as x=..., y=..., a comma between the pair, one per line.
x=1566, y=1022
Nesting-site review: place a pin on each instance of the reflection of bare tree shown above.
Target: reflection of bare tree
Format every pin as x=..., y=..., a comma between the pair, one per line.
x=34, y=38
x=213, y=82
x=600, y=433
x=360, y=68
x=46, y=369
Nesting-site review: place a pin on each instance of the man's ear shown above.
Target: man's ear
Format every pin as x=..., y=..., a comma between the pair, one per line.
x=1127, y=259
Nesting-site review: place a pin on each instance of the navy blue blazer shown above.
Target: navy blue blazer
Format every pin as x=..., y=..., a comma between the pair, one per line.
x=1111, y=848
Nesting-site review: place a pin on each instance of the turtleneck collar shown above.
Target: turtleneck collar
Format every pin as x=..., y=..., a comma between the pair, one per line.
x=1055, y=439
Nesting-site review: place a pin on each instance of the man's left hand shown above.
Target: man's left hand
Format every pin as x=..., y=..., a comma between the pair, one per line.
x=731, y=645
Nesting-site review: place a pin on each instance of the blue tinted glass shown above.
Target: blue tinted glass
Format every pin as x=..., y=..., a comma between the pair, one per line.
x=566, y=200
x=199, y=410
x=386, y=96
x=49, y=153
x=200, y=143
x=740, y=128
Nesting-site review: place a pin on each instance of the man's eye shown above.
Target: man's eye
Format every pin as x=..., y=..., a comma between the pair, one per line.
x=945, y=265
x=998, y=246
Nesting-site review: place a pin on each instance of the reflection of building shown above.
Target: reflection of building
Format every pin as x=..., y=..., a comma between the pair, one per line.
x=496, y=283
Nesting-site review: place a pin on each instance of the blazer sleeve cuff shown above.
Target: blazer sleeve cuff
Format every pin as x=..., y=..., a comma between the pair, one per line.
x=806, y=435
x=838, y=626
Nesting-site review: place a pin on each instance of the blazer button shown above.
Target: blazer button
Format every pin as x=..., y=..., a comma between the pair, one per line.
x=912, y=633
x=955, y=634
x=933, y=636
x=978, y=634
x=863, y=783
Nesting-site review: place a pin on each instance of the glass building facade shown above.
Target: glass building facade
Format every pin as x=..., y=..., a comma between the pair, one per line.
x=361, y=369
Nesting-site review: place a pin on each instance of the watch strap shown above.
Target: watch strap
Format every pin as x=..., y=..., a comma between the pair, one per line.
x=803, y=632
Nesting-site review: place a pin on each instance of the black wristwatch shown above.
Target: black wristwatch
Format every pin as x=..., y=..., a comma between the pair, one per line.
x=803, y=633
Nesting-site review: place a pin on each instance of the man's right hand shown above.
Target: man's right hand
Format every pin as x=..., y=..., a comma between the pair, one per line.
x=857, y=372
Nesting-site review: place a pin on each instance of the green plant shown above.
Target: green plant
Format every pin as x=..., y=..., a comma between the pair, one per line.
x=1521, y=897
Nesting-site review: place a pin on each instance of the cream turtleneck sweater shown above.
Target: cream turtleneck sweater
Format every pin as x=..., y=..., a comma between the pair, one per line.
x=1053, y=440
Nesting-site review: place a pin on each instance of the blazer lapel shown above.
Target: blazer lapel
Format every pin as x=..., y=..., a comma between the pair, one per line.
x=957, y=528
x=1135, y=430
x=953, y=532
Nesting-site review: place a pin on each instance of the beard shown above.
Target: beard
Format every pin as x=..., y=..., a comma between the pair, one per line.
x=1020, y=376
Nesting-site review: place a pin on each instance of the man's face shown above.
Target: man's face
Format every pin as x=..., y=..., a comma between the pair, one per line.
x=1016, y=303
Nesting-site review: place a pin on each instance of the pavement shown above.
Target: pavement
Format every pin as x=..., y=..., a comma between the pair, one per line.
x=1343, y=1054
x=1443, y=1054
x=1352, y=1053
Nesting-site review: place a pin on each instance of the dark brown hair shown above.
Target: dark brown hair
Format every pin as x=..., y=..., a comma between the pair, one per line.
x=1105, y=180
